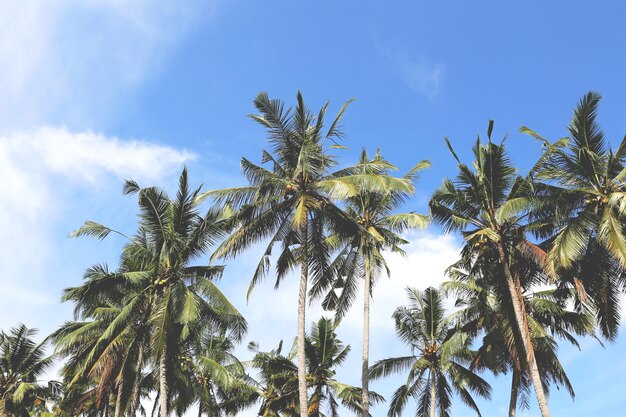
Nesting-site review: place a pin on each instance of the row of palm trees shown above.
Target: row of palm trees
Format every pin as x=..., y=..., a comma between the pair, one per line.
x=543, y=260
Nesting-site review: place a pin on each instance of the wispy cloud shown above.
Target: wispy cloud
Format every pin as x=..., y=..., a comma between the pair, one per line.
x=421, y=75
x=47, y=175
x=73, y=60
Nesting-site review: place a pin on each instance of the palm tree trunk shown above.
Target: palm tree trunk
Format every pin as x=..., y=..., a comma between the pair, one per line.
x=514, y=388
x=3, y=411
x=163, y=383
x=304, y=276
x=365, y=400
x=118, y=400
x=522, y=327
x=433, y=394
x=136, y=391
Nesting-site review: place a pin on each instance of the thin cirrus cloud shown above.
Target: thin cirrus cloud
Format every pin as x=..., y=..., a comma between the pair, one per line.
x=73, y=61
x=421, y=75
x=50, y=175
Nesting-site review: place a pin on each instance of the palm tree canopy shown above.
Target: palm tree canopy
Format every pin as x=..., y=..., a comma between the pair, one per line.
x=583, y=217
x=437, y=365
x=485, y=312
x=156, y=306
x=297, y=191
x=380, y=230
x=324, y=355
x=22, y=363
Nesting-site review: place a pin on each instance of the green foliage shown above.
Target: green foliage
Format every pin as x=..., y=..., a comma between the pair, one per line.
x=543, y=260
x=378, y=230
x=325, y=353
x=155, y=308
x=437, y=365
x=582, y=184
x=22, y=363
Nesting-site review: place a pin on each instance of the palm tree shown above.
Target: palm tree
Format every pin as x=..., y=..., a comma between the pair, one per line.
x=22, y=363
x=178, y=302
x=490, y=205
x=484, y=310
x=361, y=255
x=277, y=382
x=291, y=204
x=325, y=353
x=584, y=179
x=436, y=364
x=104, y=359
x=214, y=378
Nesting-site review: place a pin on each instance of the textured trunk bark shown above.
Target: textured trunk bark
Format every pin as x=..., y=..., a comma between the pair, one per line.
x=3, y=411
x=118, y=400
x=514, y=388
x=433, y=395
x=163, y=412
x=136, y=392
x=304, y=276
x=365, y=399
x=522, y=327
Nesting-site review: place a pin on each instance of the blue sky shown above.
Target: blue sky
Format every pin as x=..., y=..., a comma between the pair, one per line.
x=92, y=93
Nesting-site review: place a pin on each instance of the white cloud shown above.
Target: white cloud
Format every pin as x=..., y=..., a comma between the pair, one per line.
x=421, y=75
x=427, y=258
x=83, y=156
x=71, y=60
x=51, y=176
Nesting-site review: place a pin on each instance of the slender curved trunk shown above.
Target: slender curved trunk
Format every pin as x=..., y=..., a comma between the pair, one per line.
x=433, y=394
x=304, y=276
x=163, y=412
x=365, y=400
x=514, y=389
x=136, y=391
x=521, y=323
x=118, y=400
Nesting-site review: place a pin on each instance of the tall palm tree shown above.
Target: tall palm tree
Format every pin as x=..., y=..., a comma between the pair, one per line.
x=22, y=363
x=490, y=205
x=436, y=365
x=585, y=180
x=181, y=301
x=291, y=204
x=361, y=256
